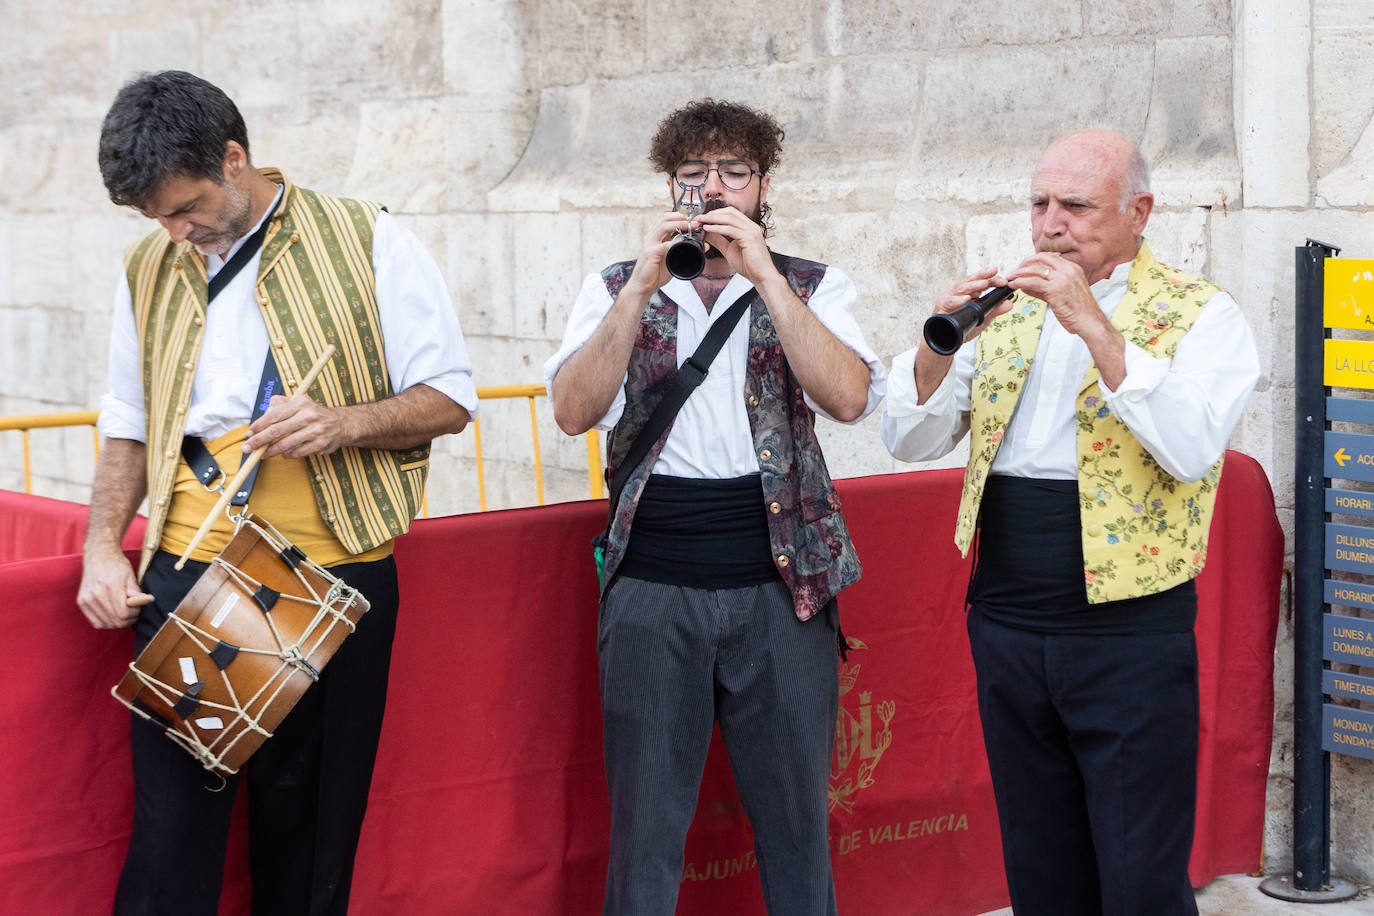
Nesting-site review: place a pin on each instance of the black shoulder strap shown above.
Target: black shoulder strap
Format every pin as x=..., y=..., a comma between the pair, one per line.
x=245, y=254
x=689, y=375
x=197, y=456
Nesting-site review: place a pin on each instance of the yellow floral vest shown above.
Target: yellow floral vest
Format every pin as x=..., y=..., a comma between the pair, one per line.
x=1143, y=530
x=314, y=287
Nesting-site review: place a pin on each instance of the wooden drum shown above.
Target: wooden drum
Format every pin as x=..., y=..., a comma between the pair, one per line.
x=241, y=649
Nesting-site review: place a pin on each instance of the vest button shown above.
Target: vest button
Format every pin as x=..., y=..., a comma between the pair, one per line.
x=188, y=365
x=171, y=453
x=197, y=321
x=1094, y=531
x=775, y=508
x=765, y=455
x=176, y=266
x=783, y=561
x=753, y=400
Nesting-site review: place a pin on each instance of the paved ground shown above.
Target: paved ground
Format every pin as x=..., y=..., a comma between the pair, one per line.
x=1239, y=895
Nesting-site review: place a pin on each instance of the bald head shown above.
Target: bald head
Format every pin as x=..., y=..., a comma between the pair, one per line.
x=1090, y=200
x=1115, y=154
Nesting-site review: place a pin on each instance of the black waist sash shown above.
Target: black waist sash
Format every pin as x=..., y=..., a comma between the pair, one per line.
x=700, y=533
x=1028, y=570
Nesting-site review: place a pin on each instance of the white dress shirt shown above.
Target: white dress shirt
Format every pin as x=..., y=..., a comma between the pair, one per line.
x=423, y=341
x=1182, y=410
x=711, y=437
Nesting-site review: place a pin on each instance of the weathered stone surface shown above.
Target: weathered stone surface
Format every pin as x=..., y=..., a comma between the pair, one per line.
x=1342, y=80
x=877, y=26
x=1351, y=184
x=1193, y=17
x=1190, y=126
x=483, y=140
x=385, y=129
x=486, y=48
x=715, y=35
x=980, y=139
x=36, y=349
x=386, y=49
x=317, y=154
x=1273, y=106
x=167, y=40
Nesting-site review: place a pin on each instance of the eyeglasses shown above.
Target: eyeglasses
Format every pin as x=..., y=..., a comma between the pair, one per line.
x=733, y=173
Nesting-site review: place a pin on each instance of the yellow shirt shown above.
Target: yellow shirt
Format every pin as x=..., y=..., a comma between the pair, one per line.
x=282, y=496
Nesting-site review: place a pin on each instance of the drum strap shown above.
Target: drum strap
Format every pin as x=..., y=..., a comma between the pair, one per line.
x=197, y=456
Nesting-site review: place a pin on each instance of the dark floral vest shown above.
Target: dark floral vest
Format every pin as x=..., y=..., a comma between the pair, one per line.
x=811, y=546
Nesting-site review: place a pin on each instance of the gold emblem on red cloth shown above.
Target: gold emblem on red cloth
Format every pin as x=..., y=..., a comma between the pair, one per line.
x=858, y=745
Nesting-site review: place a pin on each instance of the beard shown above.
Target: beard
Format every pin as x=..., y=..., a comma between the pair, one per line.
x=232, y=223
x=715, y=203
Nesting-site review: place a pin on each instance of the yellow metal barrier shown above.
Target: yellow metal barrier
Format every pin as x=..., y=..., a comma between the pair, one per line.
x=491, y=393
x=48, y=421
x=530, y=392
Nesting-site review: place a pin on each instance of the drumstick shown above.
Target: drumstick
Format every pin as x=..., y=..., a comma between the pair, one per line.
x=139, y=600
x=248, y=464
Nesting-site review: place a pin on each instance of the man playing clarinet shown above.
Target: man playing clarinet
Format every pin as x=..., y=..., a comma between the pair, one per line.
x=1098, y=402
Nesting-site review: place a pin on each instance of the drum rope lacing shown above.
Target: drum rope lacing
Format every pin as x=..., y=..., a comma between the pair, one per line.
x=292, y=656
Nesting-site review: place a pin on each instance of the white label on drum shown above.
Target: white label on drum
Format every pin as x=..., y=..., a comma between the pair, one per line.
x=188, y=670
x=224, y=610
x=210, y=722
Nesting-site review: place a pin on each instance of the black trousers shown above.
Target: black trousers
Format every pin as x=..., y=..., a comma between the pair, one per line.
x=1092, y=745
x=307, y=784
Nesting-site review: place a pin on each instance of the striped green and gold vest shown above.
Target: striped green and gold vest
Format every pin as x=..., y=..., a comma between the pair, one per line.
x=1143, y=530
x=314, y=287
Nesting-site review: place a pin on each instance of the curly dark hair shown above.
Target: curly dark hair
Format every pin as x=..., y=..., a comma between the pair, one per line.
x=166, y=125
x=710, y=125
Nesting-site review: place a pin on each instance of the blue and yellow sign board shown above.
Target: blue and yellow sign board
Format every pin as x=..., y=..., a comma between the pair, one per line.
x=1348, y=294
x=1349, y=364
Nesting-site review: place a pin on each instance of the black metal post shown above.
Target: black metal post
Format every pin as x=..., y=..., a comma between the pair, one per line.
x=1311, y=765
x=1311, y=878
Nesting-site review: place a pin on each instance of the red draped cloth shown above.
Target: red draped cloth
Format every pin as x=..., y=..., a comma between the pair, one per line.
x=489, y=794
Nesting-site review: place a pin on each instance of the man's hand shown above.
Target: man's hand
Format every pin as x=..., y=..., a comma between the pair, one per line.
x=961, y=291
x=741, y=241
x=295, y=427
x=930, y=367
x=108, y=585
x=1062, y=285
x=586, y=385
x=651, y=269
x=109, y=595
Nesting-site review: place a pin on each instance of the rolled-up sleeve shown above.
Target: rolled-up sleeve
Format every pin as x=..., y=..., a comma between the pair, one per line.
x=833, y=305
x=424, y=341
x=121, y=406
x=1183, y=410
x=913, y=431
x=589, y=310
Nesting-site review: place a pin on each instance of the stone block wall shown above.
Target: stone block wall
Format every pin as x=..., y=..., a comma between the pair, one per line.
x=511, y=136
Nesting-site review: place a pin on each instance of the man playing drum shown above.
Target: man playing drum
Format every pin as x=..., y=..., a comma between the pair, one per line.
x=342, y=474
